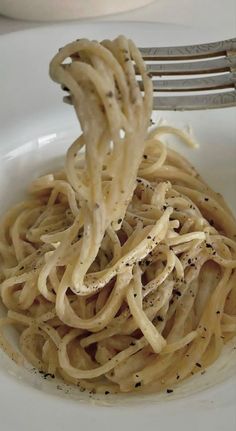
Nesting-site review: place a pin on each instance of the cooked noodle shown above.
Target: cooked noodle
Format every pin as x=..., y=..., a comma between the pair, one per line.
x=118, y=271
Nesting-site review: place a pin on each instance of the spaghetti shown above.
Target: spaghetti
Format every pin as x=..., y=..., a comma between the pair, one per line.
x=118, y=271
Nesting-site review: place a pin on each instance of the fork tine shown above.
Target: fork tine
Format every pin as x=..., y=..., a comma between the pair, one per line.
x=227, y=80
x=215, y=49
x=196, y=84
x=190, y=103
x=191, y=68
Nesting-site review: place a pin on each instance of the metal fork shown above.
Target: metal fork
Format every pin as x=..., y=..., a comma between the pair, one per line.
x=217, y=89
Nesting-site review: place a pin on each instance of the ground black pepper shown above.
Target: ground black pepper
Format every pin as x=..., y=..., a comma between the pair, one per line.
x=46, y=375
x=177, y=292
x=110, y=94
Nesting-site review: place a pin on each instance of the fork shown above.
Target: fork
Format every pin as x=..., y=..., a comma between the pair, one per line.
x=215, y=90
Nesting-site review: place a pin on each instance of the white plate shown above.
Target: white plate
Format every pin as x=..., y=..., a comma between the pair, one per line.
x=36, y=128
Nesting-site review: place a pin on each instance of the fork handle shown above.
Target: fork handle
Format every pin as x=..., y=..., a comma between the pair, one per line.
x=204, y=50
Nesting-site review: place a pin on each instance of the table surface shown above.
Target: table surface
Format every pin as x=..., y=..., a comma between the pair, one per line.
x=214, y=14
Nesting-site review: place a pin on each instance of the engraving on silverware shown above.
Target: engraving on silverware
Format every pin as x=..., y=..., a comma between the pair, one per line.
x=191, y=51
x=184, y=103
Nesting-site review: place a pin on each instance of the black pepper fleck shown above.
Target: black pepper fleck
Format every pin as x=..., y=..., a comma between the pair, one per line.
x=110, y=94
x=177, y=292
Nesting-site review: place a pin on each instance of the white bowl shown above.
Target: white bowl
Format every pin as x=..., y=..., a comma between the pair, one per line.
x=50, y=10
x=36, y=128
